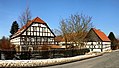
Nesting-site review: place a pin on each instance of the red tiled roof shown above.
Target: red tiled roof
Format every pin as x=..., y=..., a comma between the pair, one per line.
x=70, y=37
x=37, y=19
x=101, y=35
x=59, y=39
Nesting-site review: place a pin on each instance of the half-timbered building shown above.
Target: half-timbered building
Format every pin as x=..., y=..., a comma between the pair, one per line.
x=36, y=33
x=96, y=40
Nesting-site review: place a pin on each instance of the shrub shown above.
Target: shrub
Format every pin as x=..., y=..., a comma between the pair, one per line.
x=25, y=55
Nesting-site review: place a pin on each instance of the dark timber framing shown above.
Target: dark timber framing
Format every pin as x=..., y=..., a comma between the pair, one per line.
x=35, y=36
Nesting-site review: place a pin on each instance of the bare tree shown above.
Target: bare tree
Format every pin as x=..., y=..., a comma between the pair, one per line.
x=63, y=30
x=75, y=28
x=25, y=16
x=81, y=25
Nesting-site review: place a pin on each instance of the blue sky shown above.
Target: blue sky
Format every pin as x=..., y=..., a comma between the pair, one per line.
x=104, y=13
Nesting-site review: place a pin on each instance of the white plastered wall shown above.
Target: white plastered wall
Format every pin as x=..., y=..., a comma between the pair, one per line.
x=98, y=45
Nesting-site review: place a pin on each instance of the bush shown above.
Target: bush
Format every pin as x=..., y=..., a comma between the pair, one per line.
x=9, y=55
x=75, y=52
x=25, y=55
x=45, y=54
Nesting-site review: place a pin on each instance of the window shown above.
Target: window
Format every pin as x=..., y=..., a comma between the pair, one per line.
x=35, y=33
x=39, y=25
x=31, y=28
x=35, y=28
x=31, y=39
x=44, y=29
x=38, y=39
x=38, y=28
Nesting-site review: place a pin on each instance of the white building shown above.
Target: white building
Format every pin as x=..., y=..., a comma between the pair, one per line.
x=34, y=34
x=97, y=41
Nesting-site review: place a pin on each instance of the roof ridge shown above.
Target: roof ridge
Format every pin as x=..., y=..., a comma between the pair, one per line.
x=34, y=19
x=37, y=19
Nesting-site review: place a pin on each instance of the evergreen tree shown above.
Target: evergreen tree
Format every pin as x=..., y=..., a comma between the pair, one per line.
x=113, y=39
x=14, y=27
x=111, y=36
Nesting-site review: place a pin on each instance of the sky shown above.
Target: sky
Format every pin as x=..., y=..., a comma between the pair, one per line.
x=104, y=13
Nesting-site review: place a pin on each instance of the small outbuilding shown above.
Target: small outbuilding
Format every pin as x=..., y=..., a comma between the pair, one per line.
x=96, y=40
